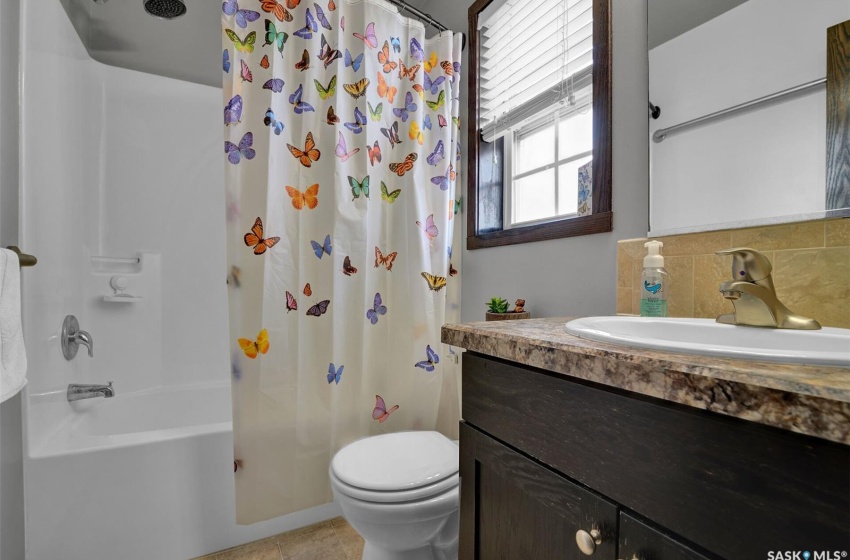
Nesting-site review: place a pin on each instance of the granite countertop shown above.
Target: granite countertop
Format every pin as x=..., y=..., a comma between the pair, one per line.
x=812, y=400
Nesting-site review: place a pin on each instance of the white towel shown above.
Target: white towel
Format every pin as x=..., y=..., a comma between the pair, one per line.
x=13, y=355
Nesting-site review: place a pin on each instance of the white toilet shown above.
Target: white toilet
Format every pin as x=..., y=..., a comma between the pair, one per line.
x=401, y=493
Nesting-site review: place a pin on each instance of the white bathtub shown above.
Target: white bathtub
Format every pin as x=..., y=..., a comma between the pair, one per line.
x=141, y=476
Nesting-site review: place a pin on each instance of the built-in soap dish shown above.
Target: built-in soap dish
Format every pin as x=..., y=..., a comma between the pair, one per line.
x=119, y=284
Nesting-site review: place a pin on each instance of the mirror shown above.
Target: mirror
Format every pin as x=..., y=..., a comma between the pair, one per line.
x=762, y=164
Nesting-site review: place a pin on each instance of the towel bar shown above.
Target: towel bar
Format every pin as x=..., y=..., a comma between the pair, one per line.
x=26, y=260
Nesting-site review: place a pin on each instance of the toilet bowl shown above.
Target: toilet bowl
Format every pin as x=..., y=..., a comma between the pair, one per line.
x=401, y=492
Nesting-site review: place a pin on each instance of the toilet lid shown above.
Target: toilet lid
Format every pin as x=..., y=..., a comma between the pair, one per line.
x=395, y=462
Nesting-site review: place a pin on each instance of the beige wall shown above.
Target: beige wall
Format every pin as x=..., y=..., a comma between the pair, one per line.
x=811, y=269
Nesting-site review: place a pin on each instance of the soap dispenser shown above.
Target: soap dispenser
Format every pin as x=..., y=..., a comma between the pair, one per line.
x=654, y=282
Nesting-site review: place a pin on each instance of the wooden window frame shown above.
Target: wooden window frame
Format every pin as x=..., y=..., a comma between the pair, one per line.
x=602, y=218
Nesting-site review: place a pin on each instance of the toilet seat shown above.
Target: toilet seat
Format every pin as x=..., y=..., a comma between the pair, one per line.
x=396, y=497
x=397, y=467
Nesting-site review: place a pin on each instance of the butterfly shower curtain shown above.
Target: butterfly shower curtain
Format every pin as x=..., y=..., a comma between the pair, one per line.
x=341, y=155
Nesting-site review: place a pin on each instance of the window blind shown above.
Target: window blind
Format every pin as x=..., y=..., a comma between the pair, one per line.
x=532, y=55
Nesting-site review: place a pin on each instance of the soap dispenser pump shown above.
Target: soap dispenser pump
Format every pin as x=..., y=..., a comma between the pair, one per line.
x=654, y=282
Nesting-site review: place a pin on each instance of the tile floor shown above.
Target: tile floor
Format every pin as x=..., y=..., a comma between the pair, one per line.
x=329, y=540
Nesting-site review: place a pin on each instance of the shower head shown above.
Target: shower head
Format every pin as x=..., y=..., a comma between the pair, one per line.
x=165, y=9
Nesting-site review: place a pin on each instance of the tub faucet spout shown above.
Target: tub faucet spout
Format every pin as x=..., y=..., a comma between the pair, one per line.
x=77, y=392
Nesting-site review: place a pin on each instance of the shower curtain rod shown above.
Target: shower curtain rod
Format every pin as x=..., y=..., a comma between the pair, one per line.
x=420, y=15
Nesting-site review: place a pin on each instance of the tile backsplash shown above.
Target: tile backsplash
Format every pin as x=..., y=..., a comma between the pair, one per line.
x=811, y=269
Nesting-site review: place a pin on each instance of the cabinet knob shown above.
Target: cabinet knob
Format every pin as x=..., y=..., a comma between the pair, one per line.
x=587, y=541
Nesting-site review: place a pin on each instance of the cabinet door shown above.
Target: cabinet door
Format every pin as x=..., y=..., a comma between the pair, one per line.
x=639, y=541
x=514, y=508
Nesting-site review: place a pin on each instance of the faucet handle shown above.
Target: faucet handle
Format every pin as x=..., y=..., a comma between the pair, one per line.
x=748, y=265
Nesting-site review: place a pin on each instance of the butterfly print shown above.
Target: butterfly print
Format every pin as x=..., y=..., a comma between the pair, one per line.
x=307, y=291
x=441, y=120
x=435, y=283
x=309, y=154
x=359, y=122
x=273, y=7
x=233, y=110
x=392, y=134
x=385, y=90
x=353, y=62
x=433, y=85
x=272, y=122
x=327, y=54
x=450, y=68
x=357, y=89
x=437, y=155
x=254, y=238
x=443, y=181
x=332, y=118
x=368, y=36
x=441, y=100
x=326, y=92
x=401, y=168
x=225, y=60
x=430, y=63
x=452, y=270
x=242, y=46
x=264, y=62
x=380, y=412
x=342, y=149
x=275, y=37
x=320, y=250
x=430, y=361
x=416, y=50
x=310, y=26
x=396, y=44
x=320, y=15
x=243, y=17
x=404, y=71
x=387, y=195
x=426, y=122
x=297, y=105
x=420, y=90
x=384, y=59
x=387, y=261
x=304, y=63
x=374, y=153
x=319, y=309
x=377, y=309
x=291, y=304
x=253, y=348
x=334, y=375
x=358, y=188
x=331, y=5
x=236, y=153
x=429, y=227
x=347, y=269
x=308, y=198
x=275, y=84
x=342, y=23
x=375, y=112
x=415, y=133
x=409, y=107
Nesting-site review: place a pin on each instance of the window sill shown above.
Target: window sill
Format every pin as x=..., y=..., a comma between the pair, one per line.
x=571, y=227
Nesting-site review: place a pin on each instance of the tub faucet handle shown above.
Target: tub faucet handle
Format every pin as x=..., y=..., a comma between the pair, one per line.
x=72, y=337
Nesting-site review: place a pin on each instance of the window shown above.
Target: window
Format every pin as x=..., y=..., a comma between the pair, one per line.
x=539, y=114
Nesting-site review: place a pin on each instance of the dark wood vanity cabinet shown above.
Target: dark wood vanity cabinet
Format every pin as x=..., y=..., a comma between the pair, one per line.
x=544, y=455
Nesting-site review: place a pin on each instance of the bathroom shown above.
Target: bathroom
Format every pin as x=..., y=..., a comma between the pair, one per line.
x=139, y=248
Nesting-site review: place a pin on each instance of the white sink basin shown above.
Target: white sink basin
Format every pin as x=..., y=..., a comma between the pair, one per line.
x=827, y=346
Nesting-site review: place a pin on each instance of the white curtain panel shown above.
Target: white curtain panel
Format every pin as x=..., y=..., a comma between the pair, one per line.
x=341, y=155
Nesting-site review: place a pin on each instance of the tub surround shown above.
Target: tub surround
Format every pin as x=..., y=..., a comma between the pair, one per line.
x=812, y=400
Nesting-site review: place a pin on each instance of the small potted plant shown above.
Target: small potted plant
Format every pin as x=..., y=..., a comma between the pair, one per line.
x=497, y=310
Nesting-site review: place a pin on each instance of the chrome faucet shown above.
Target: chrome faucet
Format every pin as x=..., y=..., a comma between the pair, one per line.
x=77, y=392
x=754, y=297
x=73, y=337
